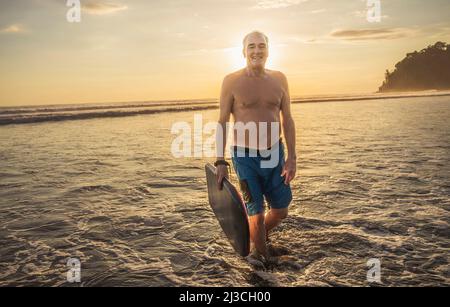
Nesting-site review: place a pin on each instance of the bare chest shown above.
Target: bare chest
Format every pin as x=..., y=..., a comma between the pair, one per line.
x=250, y=94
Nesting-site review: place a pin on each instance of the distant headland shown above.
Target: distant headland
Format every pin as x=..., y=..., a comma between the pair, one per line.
x=428, y=69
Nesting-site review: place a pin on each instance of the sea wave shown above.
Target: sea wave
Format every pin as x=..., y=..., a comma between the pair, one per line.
x=46, y=113
x=113, y=196
x=24, y=118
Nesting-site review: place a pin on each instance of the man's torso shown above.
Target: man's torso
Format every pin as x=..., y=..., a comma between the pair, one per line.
x=257, y=100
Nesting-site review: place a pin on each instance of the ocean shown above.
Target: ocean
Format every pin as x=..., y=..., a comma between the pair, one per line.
x=94, y=183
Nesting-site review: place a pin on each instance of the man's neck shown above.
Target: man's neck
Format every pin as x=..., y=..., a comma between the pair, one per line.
x=256, y=71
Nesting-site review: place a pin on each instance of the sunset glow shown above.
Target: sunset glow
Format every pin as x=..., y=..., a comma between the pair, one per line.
x=153, y=50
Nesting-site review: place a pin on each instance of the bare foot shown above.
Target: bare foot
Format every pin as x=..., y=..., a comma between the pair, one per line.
x=255, y=258
x=266, y=261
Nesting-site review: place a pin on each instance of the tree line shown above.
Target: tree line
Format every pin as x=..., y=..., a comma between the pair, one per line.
x=426, y=69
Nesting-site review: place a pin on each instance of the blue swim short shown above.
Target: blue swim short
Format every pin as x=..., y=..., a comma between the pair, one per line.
x=259, y=174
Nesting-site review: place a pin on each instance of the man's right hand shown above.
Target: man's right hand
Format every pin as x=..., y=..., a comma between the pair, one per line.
x=221, y=172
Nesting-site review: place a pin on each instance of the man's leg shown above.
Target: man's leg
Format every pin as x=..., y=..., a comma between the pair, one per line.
x=258, y=233
x=273, y=218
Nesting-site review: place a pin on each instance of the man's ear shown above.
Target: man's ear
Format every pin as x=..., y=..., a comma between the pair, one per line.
x=243, y=53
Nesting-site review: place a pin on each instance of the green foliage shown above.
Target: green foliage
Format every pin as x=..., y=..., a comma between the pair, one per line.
x=423, y=70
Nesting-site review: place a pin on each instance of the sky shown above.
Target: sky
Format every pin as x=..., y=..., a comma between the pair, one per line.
x=140, y=50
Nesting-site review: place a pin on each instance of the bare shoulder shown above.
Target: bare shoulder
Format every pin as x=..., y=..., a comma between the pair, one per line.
x=229, y=85
x=280, y=77
x=231, y=77
x=277, y=74
x=231, y=80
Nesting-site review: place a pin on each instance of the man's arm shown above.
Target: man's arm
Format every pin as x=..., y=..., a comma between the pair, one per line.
x=225, y=106
x=288, y=125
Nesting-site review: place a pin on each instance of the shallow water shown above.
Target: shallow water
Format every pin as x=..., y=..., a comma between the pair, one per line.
x=373, y=182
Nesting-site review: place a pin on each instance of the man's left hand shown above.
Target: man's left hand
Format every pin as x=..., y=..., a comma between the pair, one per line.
x=289, y=169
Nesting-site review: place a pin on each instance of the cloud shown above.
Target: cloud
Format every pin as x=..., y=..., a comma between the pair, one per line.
x=276, y=4
x=372, y=34
x=307, y=39
x=102, y=8
x=438, y=29
x=15, y=28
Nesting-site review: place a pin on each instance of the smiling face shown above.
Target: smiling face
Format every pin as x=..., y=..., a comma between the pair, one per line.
x=256, y=50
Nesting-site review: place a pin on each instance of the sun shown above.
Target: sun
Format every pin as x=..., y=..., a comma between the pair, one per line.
x=235, y=58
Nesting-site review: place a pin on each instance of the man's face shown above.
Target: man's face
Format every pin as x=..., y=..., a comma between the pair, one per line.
x=256, y=51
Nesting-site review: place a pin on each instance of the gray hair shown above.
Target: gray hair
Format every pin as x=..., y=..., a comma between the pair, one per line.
x=255, y=32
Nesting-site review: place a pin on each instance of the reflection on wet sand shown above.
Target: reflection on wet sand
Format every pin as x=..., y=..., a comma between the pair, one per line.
x=372, y=183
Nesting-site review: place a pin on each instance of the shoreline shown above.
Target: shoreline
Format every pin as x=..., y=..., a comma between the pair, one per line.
x=27, y=115
x=375, y=97
x=159, y=102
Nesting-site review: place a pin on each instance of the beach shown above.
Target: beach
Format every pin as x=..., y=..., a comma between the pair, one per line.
x=372, y=182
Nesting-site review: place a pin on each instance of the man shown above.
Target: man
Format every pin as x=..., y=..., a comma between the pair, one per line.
x=258, y=95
